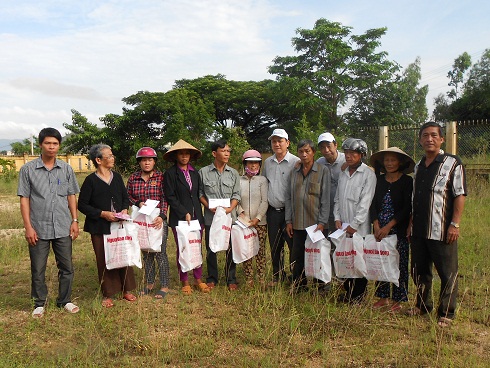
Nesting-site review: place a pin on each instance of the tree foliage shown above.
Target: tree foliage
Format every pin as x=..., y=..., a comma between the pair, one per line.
x=333, y=65
x=474, y=101
x=399, y=100
x=19, y=148
x=456, y=76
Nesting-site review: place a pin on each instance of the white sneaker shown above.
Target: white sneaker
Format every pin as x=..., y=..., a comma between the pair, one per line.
x=38, y=312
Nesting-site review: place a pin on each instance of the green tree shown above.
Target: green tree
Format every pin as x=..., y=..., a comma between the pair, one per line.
x=255, y=107
x=456, y=76
x=333, y=65
x=19, y=148
x=399, y=100
x=474, y=101
x=83, y=134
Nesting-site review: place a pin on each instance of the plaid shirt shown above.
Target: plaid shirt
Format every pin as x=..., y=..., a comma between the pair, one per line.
x=140, y=190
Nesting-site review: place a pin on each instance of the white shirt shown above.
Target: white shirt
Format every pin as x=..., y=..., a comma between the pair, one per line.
x=278, y=173
x=353, y=198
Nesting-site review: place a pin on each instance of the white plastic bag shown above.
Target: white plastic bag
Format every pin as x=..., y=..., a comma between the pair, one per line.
x=121, y=246
x=244, y=243
x=348, y=256
x=220, y=231
x=190, y=256
x=317, y=259
x=382, y=259
x=149, y=238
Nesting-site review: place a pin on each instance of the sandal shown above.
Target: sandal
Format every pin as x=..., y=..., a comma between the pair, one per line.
x=129, y=297
x=414, y=311
x=444, y=322
x=71, y=308
x=160, y=294
x=187, y=290
x=381, y=303
x=203, y=287
x=107, y=303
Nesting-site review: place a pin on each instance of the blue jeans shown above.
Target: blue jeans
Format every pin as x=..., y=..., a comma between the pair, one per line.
x=62, y=248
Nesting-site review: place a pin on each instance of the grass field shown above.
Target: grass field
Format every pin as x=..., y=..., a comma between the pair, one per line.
x=247, y=328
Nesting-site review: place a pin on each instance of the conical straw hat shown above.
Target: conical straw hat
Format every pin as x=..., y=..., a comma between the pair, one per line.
x=406, y=166
x=181, y=145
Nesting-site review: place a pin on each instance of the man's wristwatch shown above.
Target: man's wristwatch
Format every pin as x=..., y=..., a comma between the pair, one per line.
x=455, y=224
x=74, y=220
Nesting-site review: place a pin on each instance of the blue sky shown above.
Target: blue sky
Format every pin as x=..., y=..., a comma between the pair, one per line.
x=88, y=55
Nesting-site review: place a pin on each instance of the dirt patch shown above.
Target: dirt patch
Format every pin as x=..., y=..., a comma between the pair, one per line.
x=9, y=233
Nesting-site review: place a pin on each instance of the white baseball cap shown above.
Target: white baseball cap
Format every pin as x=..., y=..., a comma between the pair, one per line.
x=281, y=133
x=326, y=137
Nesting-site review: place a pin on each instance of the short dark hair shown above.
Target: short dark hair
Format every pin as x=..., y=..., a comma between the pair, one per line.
x=430, y=124
x=307, y=142
x=221, y=143
x=49, y=132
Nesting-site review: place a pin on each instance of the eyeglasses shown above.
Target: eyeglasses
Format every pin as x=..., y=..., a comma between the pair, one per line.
x=108, y=157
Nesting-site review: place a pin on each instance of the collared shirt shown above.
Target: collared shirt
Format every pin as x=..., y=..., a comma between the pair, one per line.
x=353, y=198
x=278, y=173
x=216, y=185
x=435, y=188
x=48, y=192
x=308, y=202
x=335, y=169
x=140, y=190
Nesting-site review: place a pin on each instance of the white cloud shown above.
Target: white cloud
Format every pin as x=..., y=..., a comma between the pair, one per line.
x=90, y=54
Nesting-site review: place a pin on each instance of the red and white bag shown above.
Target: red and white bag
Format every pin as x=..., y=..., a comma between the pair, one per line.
x=220, y=231
x=317, y=259
x=382, y=259
x=244, y=243
x=189, y=242
x=149, y=238
x=121, y=246
x=348, y=257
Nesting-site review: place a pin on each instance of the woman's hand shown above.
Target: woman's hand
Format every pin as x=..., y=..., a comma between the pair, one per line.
x=158, y=222
x=109, y=216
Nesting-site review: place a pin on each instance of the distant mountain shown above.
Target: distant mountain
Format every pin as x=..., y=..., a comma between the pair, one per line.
x=5, y=143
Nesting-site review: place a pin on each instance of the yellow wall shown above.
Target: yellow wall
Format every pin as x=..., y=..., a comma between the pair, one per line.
x=79, y=163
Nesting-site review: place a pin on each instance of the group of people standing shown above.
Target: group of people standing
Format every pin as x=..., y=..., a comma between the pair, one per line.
x=292, y=194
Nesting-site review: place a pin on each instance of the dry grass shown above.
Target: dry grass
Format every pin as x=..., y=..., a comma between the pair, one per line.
x=248, y=328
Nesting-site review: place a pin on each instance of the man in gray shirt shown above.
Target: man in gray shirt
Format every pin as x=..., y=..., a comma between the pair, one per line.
x=47, y=190
x=277, y=169
x=219, y=181
x=334, y=160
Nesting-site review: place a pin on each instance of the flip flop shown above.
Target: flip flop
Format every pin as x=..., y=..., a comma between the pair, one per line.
x=444, y=322
x=71, y=308
x=107, y=303
x=129, y=297
x=187, y=290
x=160, y=294
x=203, y=287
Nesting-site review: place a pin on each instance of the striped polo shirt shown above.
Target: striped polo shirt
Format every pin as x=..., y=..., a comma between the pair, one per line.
x=435, y=188
x=48, y=192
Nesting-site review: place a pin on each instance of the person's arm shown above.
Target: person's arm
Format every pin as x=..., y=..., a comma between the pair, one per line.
x=72, y=206
x=324, y=211
x=458, y=207
x=366, y=197
x=130, y=188
x=25, y=211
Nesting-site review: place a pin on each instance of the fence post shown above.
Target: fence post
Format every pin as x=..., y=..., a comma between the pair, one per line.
x=451, y=138
x=383, y=138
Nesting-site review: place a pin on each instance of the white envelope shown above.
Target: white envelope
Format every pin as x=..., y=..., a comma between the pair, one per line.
x=219, y=202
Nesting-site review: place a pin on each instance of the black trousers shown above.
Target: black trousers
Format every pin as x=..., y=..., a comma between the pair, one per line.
x=212, y=263
x=276, y=225
x=444, y=257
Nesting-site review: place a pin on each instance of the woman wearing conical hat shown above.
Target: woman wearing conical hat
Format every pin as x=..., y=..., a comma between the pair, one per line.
x=181, y=184
x=390, y=213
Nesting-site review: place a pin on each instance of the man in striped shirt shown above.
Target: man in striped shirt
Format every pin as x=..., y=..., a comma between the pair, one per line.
x=47, y=190
x=438, y=201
